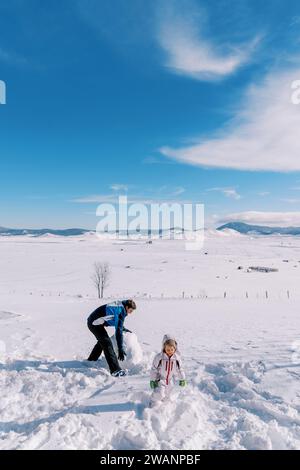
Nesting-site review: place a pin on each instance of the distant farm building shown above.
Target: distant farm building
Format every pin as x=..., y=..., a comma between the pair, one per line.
x=261, y=269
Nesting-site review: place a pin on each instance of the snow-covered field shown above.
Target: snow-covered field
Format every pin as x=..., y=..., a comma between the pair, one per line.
x=238, y=332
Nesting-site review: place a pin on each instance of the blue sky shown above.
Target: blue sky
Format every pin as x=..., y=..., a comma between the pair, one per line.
x=168, y=100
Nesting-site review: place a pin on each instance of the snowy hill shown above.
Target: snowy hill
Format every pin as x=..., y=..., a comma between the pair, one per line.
x=226, y=232
x=259, y=229
x=241, y=353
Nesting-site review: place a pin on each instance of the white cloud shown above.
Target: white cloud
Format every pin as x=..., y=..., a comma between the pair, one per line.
x=119, y=187
x=263, y=193
x=114, y=199
x=178, y=191
x=189, y=53
x=96, y=198
x=264, y=135
x=282, y=219
x=228, y=192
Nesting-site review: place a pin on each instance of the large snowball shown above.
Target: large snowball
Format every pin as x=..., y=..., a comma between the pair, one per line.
x=133, y=350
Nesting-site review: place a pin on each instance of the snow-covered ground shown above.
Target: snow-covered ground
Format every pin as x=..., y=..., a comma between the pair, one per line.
x=238, y=332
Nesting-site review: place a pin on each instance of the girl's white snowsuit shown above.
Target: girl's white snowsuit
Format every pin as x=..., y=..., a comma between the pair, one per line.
x=165, y=370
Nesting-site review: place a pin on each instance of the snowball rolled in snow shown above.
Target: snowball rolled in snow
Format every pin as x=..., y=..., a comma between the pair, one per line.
x=134, y=353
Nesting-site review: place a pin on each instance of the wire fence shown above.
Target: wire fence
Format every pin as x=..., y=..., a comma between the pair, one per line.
x=204, y=294
x=264, y=295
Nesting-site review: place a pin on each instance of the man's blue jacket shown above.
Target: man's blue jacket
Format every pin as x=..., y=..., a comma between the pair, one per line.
x=112, y=314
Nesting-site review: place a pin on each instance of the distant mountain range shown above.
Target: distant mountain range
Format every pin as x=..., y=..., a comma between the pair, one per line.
x=4, y=231
x=237, y=226
x=260, y=229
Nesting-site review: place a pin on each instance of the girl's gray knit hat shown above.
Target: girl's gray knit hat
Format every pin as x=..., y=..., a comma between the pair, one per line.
x=170, y=340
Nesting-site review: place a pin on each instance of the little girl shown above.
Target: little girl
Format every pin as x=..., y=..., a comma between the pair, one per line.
x=165, y=369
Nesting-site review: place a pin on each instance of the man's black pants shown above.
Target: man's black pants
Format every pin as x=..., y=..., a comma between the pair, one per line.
x=104, y=344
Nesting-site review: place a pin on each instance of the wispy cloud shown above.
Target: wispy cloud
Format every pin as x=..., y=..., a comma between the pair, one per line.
x=262, y=136
x=228, y=192
x=177, y=28
x=189, y=52
x=12, y=58
x=119, y=187
x=96, y=198
x=178, y=191
x=157, y=160
x=263, y=193
x=114, y=199
x=283, y=219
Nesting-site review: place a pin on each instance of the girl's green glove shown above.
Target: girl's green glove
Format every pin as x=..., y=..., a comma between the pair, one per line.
x=153, y=384
x=182, y=383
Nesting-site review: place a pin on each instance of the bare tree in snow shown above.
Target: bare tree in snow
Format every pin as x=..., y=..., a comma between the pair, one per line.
x=100, y=277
